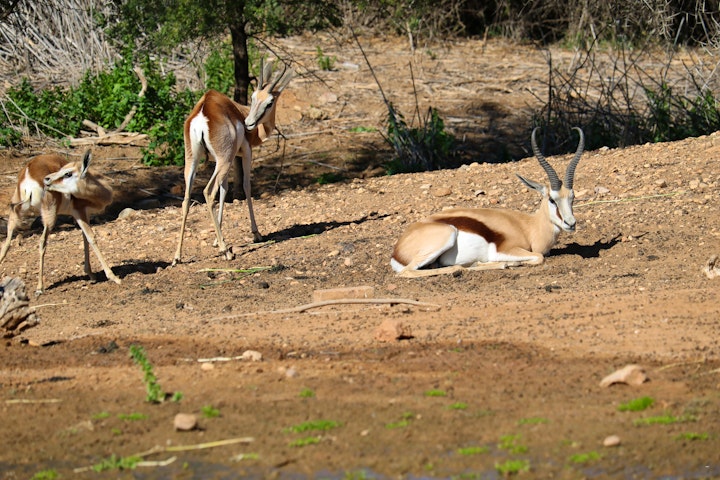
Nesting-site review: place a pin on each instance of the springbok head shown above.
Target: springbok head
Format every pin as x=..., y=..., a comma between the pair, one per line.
x=66, y=179
x=264, y=98
x=561, y=195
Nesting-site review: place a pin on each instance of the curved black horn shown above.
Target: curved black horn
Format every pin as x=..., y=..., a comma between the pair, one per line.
x=570, y=172
x=278, y=78
x=552, y=175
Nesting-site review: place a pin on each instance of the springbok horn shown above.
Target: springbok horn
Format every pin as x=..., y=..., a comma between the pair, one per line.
x=265, y=73
x=552, y=175
x=277, y=80
x=570, y=172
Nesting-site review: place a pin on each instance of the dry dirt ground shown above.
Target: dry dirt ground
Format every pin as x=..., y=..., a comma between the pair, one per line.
x=498, y=371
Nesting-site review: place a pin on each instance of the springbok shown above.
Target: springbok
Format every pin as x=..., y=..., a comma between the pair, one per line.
x=52, y=186
x=490, y=238
x=219, y=128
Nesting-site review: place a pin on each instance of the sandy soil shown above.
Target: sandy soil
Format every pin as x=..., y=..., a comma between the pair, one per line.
x=497, y=370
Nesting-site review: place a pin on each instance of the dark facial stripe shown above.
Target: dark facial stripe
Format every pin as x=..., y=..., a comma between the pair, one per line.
x=470, y=225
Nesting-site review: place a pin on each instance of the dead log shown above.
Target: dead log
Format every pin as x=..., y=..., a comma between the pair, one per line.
x=16, y=314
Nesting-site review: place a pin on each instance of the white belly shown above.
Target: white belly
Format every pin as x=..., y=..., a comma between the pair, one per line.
x=468, y=249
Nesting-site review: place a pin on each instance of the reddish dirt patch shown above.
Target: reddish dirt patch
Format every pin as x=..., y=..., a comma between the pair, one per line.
x=518, y=352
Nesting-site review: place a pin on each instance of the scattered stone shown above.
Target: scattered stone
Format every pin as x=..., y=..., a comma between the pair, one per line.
x=251, y=355
x=348, y=262
x=363, y=291
x=207, y=366
x=441, y=192
x=611, y=441
x=126, y=213
x=291, y=372
x=327, y=97
x=185, y=422
x=630, y=375
x=392, y=329
x=661, y=183
x=602, y=190
x=16, y=315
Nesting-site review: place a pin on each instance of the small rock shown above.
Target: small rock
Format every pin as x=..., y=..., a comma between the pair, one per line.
x=611, y=441
x=184, y=422
x=348, y=262
x=392, y=329
x=327, y=97
x=630, y=374
x=661, y=183
x=206, y=366
x=602, y=190
x=251, y=355
x=712, y=267
x=126, y=213
x=441, y=192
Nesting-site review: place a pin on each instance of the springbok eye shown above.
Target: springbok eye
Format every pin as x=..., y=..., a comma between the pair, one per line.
x=68, y=174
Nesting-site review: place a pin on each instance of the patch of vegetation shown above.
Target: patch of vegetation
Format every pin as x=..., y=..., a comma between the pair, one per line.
x=362, y=130
x=418, y=149
x=50, y=474
x=532, y=421
x=208, y=411
x=435, y=393
x=581, y=458
x=692, y=436
x=472, y=450
x=313, y=425
x=664, y=420
x=307, y=393
x=132, y=417
x=512, y=467
x=324, y=62
x=458, y=406
x=510, y=443
x=304, y=442
x=100, y=416
x=117, y=463
x=329, y=177
x=155, y=393
x=404, y=422
x=636, y=405
x=105, y=98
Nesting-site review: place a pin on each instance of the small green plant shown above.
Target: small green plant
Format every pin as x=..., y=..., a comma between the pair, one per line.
x=692, y=436
x=304, y=442
x=100, y=416
x=472, y=450
x=512, y=467
x=404, y=422
x=176, y=397
x=580, y=458
x=510, y=443
x=435, y=393
x=636, y=405
x=532, y=421
x=458, y=406
x=117, y=463
x=361, y=129
x=329, y=177
x=307, y=393
x=664, y=420
x=155, y=393
x=132, y=417
x=208, y=411
x=419, y=149
x=324, y=62
x=313, y=425
x=49, y=474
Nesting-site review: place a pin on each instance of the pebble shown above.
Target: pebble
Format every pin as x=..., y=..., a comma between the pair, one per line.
x=184, y=422
x=611, y=441
x=251, y=355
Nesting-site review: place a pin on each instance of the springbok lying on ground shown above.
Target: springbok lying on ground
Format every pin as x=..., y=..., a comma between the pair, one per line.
x=490, y=238
x=52, y=186
x=220, y=128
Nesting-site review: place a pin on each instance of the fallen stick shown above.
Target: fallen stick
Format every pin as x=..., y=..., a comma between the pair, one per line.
x=341, y=301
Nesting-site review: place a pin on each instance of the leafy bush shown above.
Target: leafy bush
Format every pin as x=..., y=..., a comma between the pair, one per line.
x=105, y=98
x=418, y=149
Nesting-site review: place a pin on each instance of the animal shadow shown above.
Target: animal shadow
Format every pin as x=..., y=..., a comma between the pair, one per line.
x=586, y=251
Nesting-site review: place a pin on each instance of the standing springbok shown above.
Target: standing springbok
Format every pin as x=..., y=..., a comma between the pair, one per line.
x=489, y=238
x=52, y=186
x=219, y=128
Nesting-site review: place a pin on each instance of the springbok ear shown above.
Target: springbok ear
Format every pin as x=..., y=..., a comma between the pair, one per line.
x=532, y=184
x=85, y=163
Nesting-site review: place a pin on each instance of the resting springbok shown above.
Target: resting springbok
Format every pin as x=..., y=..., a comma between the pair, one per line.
x=489, y=238
x=219, y=128
x=52, y=186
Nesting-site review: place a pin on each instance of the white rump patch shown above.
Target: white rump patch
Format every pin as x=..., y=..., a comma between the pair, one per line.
x=469, y=248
